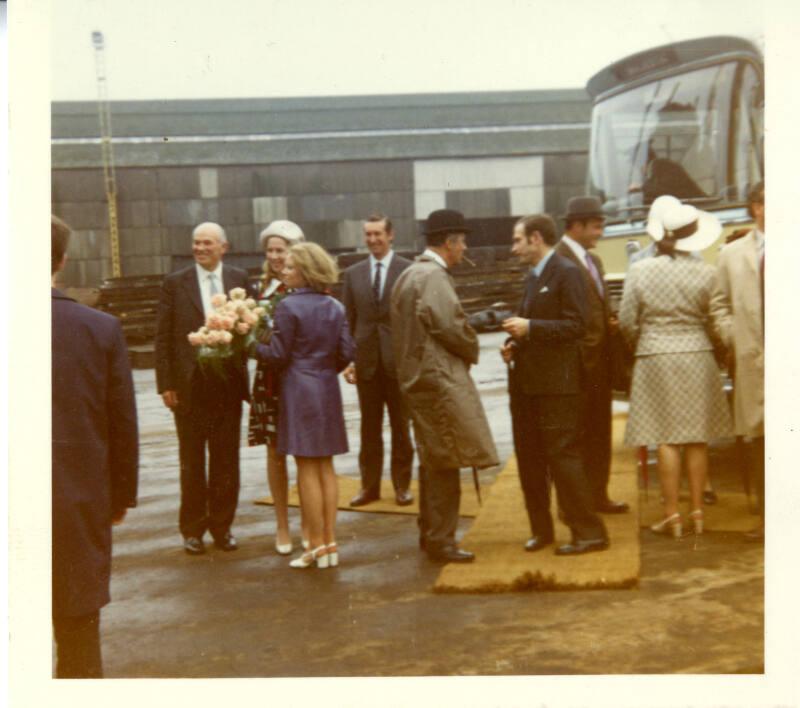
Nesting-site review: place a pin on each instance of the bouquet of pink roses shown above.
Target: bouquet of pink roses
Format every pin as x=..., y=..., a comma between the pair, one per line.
x=228, y=330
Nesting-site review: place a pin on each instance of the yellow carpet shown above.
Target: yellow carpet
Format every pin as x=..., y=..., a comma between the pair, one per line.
x=348, y=488
x=498, y=536
x=730, y=513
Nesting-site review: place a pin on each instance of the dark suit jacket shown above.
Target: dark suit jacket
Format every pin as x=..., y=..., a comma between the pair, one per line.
x=548, y=362
x=95, y=451
x=180, y=311
x=594, y=347
x=369, y=321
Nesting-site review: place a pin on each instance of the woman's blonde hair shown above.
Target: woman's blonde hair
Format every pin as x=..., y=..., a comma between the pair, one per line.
x=316, y=265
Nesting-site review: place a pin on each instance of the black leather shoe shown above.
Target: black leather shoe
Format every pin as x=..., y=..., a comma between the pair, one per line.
x=612, y=507
x=451, y=554
x=404, y=498
x=578, y=547
x=363, y=498
x=537, y=543
x=194, y=546
x=226, y=542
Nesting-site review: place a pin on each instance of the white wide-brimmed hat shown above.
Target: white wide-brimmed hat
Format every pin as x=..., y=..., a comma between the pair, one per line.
x=692, y=229
x=287, y=230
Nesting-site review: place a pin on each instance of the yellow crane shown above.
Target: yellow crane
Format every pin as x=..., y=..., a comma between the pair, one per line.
x=109, y=175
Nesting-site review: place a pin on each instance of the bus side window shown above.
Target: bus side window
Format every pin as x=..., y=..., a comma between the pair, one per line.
x=748, y=129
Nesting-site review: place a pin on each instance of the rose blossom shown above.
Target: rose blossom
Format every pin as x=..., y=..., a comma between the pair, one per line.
x=195, y=339
x=214, y=321
x=250, y=303
x=226, y=337
x=218, y=300
x=259, y=311
x=228, y=323
x=238, y=294
x=242, y=328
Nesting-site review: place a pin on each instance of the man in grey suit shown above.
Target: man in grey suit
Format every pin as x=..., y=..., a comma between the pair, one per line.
x=366, y=288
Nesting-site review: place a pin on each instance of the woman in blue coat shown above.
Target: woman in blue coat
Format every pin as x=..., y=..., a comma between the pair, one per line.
x=310, y=345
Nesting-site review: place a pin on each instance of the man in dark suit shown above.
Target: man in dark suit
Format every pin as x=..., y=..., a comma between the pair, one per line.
x=95, y=462
x=545, y=385
x=366, y=291
x=207, y=405
x=583, y=229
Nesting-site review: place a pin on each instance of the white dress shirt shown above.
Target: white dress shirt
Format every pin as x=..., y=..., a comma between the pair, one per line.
x=385, y=263
x=205, y=285
x=436, y=257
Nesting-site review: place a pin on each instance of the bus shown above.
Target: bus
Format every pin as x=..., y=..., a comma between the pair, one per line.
x=685, y=119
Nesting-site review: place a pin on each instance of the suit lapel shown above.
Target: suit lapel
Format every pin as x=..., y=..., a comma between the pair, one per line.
x=192, y=287
x=564, y=250
x=392, y=272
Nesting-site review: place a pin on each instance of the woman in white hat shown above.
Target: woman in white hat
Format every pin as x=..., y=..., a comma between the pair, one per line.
x=676, y=398
x=276, y=239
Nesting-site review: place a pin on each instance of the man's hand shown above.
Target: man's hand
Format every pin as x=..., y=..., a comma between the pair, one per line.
x=350, y=374
x=517, y=327
x=507, y=351
x=118, y=518
x=170, y=398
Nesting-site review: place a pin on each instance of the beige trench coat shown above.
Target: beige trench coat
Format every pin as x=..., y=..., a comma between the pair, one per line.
x=434, y=346
x=737, y=317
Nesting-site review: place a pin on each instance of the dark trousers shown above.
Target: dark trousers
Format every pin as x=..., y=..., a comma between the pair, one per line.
x=439, y=501
x=373, y=394
x=546, y=444
x=78, y=646
x=213, y=420
x=595, y=433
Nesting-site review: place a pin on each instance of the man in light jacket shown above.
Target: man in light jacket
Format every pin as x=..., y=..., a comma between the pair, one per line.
x=434, y=347
x=737, y=309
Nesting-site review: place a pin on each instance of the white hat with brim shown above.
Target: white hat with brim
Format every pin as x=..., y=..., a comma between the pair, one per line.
x=692, y=229
x=285, y=229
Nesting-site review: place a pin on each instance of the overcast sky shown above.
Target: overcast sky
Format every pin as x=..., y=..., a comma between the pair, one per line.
x=257, y=48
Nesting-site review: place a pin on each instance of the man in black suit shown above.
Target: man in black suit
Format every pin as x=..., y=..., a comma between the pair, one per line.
x=545, y=386
x=583, y=229
x=207, y=405
x=366, y=291
x=95, y=461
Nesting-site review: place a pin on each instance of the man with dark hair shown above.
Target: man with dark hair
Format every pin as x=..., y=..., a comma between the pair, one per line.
x=366, y=291
x=207, y=406
x=544, y=360
x=95, y=466
x=434, y=346
x=737, y=310
x=584, y=227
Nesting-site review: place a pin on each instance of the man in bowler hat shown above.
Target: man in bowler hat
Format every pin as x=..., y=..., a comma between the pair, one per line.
x=434, y=346
x=544, y=360
x=583, y=229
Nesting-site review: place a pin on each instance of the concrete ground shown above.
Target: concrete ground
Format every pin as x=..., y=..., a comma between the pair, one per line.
x=699, y=606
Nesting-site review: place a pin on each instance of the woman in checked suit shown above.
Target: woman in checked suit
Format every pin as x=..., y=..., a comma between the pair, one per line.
x=676, y=398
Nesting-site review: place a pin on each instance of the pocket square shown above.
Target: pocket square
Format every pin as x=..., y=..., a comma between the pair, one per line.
x=545, y=289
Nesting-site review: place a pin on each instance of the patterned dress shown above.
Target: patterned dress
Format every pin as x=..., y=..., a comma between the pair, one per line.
x=676, y=392
x=264, y=406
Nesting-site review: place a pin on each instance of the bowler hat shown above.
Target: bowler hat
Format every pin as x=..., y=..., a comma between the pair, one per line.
x=584, y=208
x=446, y=221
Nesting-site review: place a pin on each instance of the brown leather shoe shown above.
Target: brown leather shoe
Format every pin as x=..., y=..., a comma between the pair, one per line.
x=403, y=497
x=363, y=498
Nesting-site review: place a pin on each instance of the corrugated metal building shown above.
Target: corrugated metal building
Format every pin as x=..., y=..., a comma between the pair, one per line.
x=325, y=163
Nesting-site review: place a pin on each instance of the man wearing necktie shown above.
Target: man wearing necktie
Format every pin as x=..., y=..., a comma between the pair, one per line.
x=545, y=385
x=366, y=291
x=737, y=311
x=583, y=229
x=207, y=407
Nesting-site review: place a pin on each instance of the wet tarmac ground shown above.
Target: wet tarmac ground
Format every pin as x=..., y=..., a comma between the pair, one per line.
x=698, y=608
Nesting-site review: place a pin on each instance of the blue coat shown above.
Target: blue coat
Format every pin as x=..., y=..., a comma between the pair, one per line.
x=310, y=345
x=95, y=451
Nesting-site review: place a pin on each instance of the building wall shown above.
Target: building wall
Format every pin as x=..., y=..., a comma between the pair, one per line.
x=158, y=207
